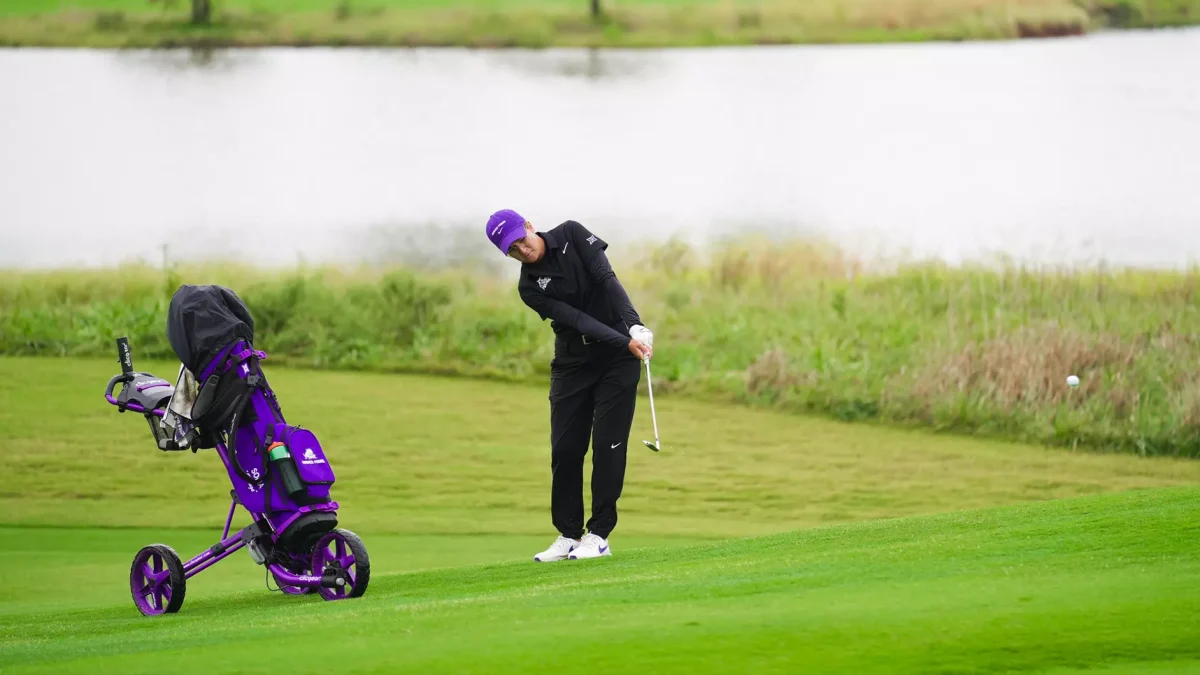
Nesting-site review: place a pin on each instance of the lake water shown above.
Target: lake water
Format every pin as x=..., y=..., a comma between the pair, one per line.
x=1073, y=149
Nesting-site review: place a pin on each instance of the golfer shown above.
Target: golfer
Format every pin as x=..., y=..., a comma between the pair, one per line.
x=599, y=342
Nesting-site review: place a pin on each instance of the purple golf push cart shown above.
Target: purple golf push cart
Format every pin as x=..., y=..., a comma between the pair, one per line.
x=221, y=400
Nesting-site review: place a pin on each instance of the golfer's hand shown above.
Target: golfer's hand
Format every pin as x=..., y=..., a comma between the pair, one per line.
x=641, y=336
x=640, y=349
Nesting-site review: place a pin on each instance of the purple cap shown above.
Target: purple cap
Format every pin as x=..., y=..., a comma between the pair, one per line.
x=504, y=227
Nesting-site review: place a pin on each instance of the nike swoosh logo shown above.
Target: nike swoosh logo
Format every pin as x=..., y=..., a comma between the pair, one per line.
x=603, y=549
x=614, y=445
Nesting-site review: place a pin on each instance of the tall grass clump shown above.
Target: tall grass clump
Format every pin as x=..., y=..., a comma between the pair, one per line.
x=799, y=326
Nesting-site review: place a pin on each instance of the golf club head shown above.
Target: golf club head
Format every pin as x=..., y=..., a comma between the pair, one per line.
x=653, y=446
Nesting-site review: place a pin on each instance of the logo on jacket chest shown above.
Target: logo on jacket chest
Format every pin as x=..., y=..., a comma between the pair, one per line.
x=543, y=282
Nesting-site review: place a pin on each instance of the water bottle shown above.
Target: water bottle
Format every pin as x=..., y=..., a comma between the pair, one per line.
x=281, y=459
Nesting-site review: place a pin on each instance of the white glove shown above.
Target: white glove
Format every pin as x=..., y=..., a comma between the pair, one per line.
x=642, y=335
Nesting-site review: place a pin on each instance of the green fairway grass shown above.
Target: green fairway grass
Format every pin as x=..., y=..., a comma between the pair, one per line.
x=542, y=23
x=1106, y=584
x=99, y=558
x=864, y=560
x=428, y=455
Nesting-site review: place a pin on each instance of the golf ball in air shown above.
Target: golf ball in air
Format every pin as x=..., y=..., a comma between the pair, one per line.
x=1072, y=381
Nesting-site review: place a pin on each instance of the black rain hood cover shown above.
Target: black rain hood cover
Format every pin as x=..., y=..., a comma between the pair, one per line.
x=204, y=319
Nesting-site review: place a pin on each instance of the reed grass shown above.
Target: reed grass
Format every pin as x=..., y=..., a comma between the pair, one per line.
x=982, y=349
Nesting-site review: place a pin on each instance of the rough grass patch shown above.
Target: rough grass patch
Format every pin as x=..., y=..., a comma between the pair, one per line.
x=1028, y=367
x=796, y=325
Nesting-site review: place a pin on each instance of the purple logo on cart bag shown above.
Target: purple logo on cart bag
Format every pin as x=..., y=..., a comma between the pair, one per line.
x=309, y=456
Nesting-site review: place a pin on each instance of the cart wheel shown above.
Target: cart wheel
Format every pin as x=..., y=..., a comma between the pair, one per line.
x=341, y=555
x=156, y=580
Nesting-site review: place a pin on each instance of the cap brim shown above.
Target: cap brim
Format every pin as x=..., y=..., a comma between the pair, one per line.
x=507, y=242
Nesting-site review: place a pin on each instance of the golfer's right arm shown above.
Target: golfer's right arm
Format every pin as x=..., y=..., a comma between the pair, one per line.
x=561, y=312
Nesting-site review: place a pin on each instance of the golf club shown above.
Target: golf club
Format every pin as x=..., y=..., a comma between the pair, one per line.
x=655, y=445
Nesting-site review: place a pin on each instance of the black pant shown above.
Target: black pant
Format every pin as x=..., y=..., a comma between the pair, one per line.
x=590, y=400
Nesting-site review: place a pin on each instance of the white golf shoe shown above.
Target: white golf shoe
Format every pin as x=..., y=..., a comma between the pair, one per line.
x=592, y=546
x=559, y=550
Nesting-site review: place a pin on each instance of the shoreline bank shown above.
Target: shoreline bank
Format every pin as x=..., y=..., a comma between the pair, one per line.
x=636, y=25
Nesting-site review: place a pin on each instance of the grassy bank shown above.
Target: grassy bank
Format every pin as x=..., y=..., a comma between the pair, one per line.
x=757, y=542
x=421, y=456
x=544, y=23
x=1105, y=584
x=865, y=557
x=983, y=350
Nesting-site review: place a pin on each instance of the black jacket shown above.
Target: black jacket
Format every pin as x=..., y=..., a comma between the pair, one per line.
x=574, y=286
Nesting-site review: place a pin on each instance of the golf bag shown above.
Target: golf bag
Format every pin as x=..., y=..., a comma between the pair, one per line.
x=276, y=468
x=279, y=471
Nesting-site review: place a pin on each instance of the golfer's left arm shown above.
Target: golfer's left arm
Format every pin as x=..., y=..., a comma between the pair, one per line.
x=603, y=275
x=561, y=312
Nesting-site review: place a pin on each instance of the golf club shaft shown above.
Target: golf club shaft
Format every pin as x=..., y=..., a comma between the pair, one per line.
x=650, y=389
